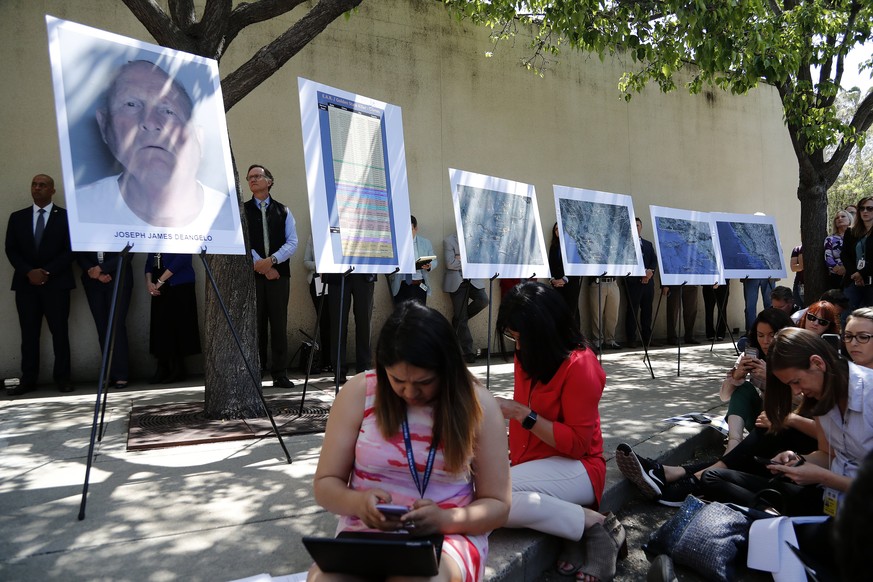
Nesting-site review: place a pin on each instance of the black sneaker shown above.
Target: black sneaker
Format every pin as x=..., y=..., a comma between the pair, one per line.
x=674, y=494
x=645, y=473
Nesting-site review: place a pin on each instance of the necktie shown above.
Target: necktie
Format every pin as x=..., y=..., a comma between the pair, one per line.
x=266, y=233
x=40, y=227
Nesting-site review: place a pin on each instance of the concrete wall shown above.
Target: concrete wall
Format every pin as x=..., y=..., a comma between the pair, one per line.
x=714, y=152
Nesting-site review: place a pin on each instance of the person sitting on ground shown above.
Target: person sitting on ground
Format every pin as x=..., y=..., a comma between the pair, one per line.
x=821, y=318
x=782, y=298
x=420, y=403
x=745, y=381
x=833, y=296
x=669, y=485
x=555, y=444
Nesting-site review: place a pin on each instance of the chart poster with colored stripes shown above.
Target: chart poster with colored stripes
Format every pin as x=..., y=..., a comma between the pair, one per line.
x=356, y=175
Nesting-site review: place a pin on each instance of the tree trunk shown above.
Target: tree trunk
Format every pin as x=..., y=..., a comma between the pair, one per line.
x=813, y=196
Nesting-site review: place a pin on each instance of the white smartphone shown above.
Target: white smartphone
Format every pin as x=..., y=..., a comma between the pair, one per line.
x=390, y=510
x=751, y=352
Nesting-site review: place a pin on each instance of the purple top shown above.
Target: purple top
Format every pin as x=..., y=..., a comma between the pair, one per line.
x=833, y=246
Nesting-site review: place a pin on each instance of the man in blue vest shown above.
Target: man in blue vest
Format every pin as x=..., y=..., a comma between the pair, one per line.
x=273, y=236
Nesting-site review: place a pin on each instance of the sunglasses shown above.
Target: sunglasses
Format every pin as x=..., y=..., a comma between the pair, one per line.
x=819, y=320
x=861, y=338
x=509, y=336
x=865, y=208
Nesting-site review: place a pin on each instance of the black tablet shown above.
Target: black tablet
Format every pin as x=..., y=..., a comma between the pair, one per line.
x=376, y=555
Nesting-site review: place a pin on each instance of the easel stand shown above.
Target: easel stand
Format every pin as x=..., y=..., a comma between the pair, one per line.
x=721, y=315
x=105, y=368
x=341, y=340
x=256, y=381
x=488, y=351
x=679, y=323
x=636, y=312
x=315, y=346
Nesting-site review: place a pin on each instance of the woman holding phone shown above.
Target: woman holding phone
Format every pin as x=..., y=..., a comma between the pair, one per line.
x=555, y=444
x=421, y=433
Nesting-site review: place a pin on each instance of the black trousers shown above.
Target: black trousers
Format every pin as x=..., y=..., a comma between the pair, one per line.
x=714, y=301
x=408, y=292
x=324, y=324
x=34, y=304
x=99, y=297
x=272, y=298
x=639, y=300
x=358, y=288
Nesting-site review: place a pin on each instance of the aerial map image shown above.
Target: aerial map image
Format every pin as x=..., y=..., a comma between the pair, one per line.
x=499, y=228
x=749, y=246
x=686, y=246
x=597, y=233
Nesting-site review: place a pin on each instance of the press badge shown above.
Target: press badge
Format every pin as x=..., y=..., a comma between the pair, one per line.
x=860, y=263
x=831, y=501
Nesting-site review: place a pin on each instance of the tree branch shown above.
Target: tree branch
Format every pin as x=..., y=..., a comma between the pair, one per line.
x=249, y=13
x=159, y=25
x=861, y=121
x=182, y=13
x=272, y=57
x=213, y=28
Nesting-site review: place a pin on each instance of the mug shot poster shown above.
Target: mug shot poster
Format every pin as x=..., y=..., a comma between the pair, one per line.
x=687, y=247
x=84, y=62
x=749, y=245
x=356, y=176
x=598, y=233
x=499, y=230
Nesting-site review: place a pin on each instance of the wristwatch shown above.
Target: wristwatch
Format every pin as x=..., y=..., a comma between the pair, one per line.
x=274, y=260
x=529, y=421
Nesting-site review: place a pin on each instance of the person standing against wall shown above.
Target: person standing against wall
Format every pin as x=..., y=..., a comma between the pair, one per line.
x=273, y=236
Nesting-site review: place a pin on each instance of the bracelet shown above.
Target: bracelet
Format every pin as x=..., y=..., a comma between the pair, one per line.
x=160, y=282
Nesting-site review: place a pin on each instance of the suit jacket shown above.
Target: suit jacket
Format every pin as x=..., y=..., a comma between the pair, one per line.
x=453, y=277
x=54, y=253
x=425, y=249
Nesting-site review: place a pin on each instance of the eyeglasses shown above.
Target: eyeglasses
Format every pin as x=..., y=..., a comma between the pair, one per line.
x=819, y=320
x=258, y=177
x=865, y=208
x=861, y=338
x=509, y=336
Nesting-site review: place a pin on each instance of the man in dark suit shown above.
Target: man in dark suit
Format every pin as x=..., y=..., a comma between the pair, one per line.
x=641, y=294
x=38, y=246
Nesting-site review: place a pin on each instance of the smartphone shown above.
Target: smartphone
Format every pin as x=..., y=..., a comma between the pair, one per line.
x=392, y=511
x=833, y=339
x=701, y=418
x=751, y=352
x=766, y=461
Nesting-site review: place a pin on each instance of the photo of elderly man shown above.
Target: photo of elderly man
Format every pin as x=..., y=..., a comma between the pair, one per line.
x=146, y=123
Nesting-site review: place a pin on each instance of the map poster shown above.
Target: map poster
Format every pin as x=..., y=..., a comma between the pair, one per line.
x=499, y=228
x=356, y=176
x=687, y=247
x=598, y=233
x=144, y=147
x=749, y=245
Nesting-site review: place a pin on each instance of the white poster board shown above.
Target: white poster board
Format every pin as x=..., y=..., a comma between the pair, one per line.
x=499, y=228
x=356, y=175
x=687, y=247
x=144, y=147
x=749, y=245
x=598, y=233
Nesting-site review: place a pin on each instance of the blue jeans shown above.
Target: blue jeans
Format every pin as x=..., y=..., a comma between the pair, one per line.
x=750, y=291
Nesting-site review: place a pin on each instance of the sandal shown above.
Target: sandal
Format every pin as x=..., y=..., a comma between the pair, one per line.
x=606, y=544
x=571, y=557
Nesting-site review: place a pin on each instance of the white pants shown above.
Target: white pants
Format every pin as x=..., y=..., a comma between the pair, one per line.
x=548, y=495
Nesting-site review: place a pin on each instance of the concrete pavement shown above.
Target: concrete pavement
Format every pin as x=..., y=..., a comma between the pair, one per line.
x=223, y=511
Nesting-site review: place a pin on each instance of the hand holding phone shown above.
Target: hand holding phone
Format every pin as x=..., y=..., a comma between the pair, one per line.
x=765, y=461
x=392, y=511
x=751, y=353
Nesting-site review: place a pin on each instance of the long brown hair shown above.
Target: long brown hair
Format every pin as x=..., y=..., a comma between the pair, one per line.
x=422, y=337
x=792, y=348
x=858, y=229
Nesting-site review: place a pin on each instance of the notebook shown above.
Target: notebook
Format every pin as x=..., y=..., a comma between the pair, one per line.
x=376, y=555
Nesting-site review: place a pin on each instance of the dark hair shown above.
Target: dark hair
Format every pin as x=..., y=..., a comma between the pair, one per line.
x=775, y=318
x=556, y=238
x=547, y=333
x=423, y=337
x=794, y=347
x=824, y=310
x=858, y=229
x=836, y=297
x=782, y=293
x=267, y=173
x=414, y=222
